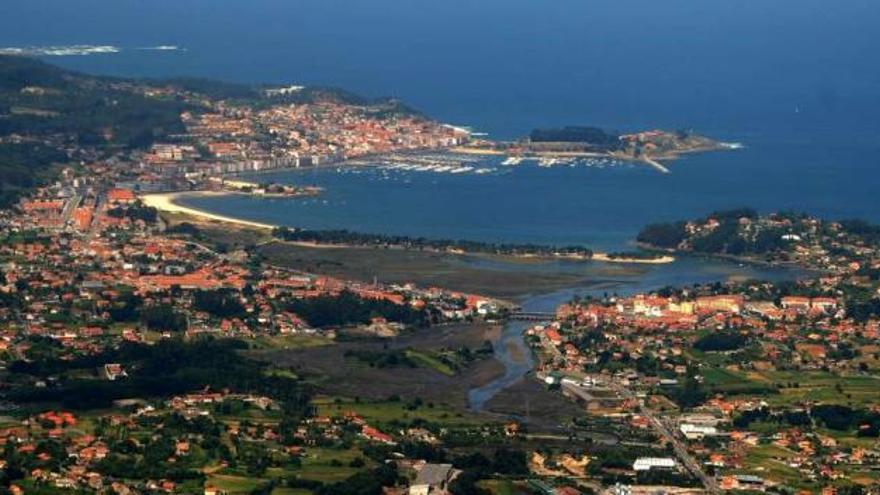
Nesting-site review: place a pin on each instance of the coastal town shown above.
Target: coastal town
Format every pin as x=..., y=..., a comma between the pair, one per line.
x=142, y=353
x=223, y=139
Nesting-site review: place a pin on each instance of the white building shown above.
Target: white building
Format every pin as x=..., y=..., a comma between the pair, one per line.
x=697, y=432
x=648, y=463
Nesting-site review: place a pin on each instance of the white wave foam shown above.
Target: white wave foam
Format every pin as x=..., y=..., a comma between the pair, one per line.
x=77, y=50
x=60, y=50
x=163, y=48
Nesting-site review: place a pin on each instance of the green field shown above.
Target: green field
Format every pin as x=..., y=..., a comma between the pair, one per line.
x=324, y=465
x=820, y=386
x=318, y=464
x=503, y=487
x=269, y=342
x=291, y=491
x=766, y=461
x=427, y=360
x=790, y=387
x=384, y=412
x=234, y=484
x=252, y=415
x=722, y=378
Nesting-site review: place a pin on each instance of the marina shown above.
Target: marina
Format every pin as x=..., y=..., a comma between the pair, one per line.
x=439, y=163
x=459, y=164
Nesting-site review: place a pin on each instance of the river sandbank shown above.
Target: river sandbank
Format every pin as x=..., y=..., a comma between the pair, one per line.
x=660, y=260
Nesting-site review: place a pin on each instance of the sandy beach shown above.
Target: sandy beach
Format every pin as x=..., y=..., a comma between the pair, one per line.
x=166, y=202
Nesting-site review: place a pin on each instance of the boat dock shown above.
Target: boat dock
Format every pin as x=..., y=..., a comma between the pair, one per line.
x=654, y=163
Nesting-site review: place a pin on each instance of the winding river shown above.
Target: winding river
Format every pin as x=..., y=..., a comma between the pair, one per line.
x=514, y=353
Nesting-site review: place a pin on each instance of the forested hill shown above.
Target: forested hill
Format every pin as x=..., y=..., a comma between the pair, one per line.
x=41, y=100
x=781, y=236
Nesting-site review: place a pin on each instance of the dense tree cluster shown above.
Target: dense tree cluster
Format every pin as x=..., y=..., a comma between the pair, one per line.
x=364, y=482
x=832, y=416
x=577, y=134
x=868, y=231
x=726, y=238
x=185, y=228
x=844, y=418
x=689, y=394
x=793, y=418
x=129, y=307
x=163, y=317
x=160, y=370
x=862, y=311
x=382, y=359
x=134, y=212
x=663, y=235
x=721, y=341
x=222, y=303
x=477, y=466
x=23, y=166
x=349, y=309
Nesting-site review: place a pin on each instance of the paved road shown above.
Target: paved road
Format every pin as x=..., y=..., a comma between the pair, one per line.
x=678, y=446
x=71, y=205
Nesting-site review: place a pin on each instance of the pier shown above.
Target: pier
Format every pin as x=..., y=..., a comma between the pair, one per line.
x=654, y=163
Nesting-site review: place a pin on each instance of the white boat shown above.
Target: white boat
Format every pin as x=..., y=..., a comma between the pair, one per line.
x=512, y=160
x=461, y=170
x=482, y=171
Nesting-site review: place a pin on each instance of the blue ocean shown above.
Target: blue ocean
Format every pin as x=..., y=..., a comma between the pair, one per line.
x=795, y=81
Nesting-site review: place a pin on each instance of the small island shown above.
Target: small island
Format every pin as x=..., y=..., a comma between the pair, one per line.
x=592, y=142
